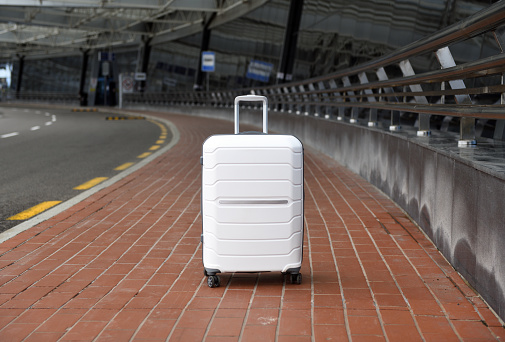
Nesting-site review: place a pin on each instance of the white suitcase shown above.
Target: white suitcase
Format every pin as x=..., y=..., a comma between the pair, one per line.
x=252, y=201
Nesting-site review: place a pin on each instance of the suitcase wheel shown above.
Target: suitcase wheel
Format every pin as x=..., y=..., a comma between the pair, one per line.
x=296, y=278
x=213, y=281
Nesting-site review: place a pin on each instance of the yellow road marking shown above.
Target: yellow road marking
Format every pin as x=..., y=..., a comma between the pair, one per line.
x=145, y=154
x=123, y=167
x=154, y=147
x=160, y=141
x=28, y=213
x=91, y=183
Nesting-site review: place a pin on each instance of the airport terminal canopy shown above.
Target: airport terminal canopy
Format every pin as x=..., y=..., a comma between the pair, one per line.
x=333, y=35
x=45, y=27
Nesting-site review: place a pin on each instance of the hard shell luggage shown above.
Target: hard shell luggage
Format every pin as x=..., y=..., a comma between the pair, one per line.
x=252, y=201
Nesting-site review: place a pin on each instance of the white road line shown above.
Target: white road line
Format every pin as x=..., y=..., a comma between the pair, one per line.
x=8, y=135
x=34, y=128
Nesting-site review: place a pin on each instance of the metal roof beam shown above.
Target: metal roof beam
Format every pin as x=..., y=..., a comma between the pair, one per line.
x=194, y=5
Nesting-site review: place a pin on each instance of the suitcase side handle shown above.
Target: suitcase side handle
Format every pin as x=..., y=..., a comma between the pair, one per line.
x=252, y=98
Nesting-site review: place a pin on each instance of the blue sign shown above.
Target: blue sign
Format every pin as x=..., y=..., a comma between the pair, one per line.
x=259, y=71
x=208, y=61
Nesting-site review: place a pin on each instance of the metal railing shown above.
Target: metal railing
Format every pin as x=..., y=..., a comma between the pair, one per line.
x=368, y=90
x=41, y=97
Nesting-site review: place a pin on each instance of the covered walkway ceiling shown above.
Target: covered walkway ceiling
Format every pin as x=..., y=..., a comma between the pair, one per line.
x=44, y=28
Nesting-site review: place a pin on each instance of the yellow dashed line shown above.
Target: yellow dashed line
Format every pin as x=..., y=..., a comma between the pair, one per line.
x=28, y=213
x=160, y=141
x=145, y=154
x=154, y=147
x=91, y=183
x=123, y=167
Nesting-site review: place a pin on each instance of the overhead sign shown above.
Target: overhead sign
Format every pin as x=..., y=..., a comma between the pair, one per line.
x=140, y=76
x=259, y=70
x=208, y=61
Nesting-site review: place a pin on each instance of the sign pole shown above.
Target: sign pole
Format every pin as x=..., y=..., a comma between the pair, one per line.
x=120, y=90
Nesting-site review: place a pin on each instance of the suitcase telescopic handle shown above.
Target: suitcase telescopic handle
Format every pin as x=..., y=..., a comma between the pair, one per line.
x=252, y=98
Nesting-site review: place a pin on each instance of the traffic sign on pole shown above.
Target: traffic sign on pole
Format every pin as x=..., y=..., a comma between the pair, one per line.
x=208, y=61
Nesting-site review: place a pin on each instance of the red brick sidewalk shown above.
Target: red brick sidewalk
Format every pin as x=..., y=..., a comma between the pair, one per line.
x=125, y=264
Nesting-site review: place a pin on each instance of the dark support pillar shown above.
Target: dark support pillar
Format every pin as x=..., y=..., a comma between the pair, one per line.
x=20, y=74
x=83, y=96
x=204, y=46
x=285, y=72
x=146, y=54
x=499, y=130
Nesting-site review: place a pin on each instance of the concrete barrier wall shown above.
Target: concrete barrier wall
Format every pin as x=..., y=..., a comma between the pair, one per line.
x=460, y=207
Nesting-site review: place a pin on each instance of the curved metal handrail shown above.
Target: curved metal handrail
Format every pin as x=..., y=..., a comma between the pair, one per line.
x=335, y=92
x=339, y=95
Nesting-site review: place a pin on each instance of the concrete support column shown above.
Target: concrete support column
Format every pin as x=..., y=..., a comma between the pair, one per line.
x=204, y=46
x=83, y=96
x=287, y=61
x=144, y=62
x=499, y=131
x=20, y=74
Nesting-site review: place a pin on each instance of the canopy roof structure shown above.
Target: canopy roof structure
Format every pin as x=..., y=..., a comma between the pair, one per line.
x=43, y=28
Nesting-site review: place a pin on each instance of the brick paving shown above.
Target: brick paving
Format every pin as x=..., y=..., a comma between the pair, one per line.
x=125, y=264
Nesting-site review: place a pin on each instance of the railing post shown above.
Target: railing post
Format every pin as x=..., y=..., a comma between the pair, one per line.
x=304, y=98
x=279, y=104
x=327, y=110
x=424, y=119
x=467, y=125
x=341, y=109
x=297, y=98
x=287, y=102
x=315, y=98
x=372, y=118
x=272, y=100
x=354, y=110
x=395, y=115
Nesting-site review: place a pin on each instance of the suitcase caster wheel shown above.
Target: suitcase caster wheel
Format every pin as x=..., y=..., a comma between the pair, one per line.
x=296, y=278
x=213, y=281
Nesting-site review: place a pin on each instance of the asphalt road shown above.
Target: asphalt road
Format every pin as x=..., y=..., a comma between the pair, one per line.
x=46, y=153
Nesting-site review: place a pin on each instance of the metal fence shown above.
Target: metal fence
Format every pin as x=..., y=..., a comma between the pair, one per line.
x=368, y=93
x=64, y=98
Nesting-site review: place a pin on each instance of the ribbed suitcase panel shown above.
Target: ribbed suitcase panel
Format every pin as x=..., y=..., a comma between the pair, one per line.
x=251, y=213
x=263, y=247
x=252, y=172
x=241, y=231
x=252, y=263
x=253, y=189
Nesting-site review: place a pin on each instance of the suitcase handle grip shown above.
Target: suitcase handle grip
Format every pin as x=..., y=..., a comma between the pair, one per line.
x=252, y=98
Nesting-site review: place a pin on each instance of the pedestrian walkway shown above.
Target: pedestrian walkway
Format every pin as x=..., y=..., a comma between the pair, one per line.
x=125, y=264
